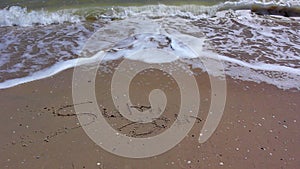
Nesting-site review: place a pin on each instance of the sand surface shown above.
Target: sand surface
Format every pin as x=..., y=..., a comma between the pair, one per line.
x=40, y=129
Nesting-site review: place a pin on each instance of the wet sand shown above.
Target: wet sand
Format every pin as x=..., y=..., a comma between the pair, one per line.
x=39, y=127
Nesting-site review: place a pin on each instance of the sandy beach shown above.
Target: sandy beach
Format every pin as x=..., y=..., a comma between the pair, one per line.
x=135, y=84
x=40, y=129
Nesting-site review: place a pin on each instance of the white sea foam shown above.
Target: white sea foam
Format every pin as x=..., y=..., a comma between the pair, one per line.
x=16, y=15
x=56, y=68
x=245, y=54
x=241, y=71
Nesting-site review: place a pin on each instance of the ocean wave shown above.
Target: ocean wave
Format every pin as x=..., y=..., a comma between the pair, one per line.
x=284, y=8
x=253, y=47
x=18, y=16
x=236, y=38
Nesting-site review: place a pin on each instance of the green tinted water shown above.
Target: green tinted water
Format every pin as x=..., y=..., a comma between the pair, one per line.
x=62, y=4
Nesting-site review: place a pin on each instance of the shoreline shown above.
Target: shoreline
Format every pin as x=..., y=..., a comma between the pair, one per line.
x=39, y=127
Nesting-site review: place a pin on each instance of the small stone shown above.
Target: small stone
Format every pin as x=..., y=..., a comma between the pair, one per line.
x=221, y=163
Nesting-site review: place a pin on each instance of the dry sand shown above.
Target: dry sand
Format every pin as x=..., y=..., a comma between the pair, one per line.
x=39, y=128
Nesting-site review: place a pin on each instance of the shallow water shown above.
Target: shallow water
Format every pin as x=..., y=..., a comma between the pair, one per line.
x=253, y=47
x=62, y=4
